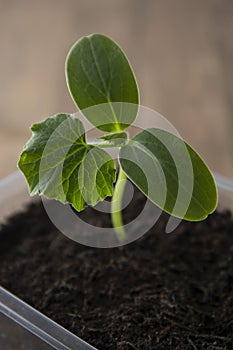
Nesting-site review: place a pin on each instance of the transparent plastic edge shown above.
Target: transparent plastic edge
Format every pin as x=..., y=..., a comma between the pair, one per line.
x=15, y=182
x=38, y=324
x=223, y=182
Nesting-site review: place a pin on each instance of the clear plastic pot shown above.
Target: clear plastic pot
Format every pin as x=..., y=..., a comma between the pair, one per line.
x=23, y=327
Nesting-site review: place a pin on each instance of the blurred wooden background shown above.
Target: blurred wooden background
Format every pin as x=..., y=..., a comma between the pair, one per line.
x=181, y=52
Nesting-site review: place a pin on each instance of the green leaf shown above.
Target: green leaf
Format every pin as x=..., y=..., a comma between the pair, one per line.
x=58, y=163
x=102, y=83
x=115, y=139
x=114, y=136
x=170, y=173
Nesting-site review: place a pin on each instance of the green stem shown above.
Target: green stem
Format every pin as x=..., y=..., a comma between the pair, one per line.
x=116, y=206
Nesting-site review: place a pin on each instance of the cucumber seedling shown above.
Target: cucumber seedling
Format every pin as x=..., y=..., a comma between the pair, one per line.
x=58, y=161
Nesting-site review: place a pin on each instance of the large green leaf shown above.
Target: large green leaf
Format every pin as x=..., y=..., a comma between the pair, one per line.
x=58, y=163
x=170, y=173
x=98, y=74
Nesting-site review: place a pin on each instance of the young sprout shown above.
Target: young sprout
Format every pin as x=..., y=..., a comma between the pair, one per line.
x=59, y=163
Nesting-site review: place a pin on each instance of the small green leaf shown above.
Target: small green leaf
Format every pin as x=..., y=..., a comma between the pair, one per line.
x=98, y=74
x=58, y=163
x=170, y=173
x=115, y=139
x=97, y=176
x=114, y=136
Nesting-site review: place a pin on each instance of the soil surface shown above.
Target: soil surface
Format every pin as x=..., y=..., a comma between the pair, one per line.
x=161, y=292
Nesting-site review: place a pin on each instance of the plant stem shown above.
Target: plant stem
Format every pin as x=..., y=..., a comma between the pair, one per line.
x=116, y=206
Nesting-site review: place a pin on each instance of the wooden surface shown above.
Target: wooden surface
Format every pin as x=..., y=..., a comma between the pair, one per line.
x=181, y=51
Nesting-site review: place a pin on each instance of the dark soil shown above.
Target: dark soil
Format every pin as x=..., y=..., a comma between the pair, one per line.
x=161, y=292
